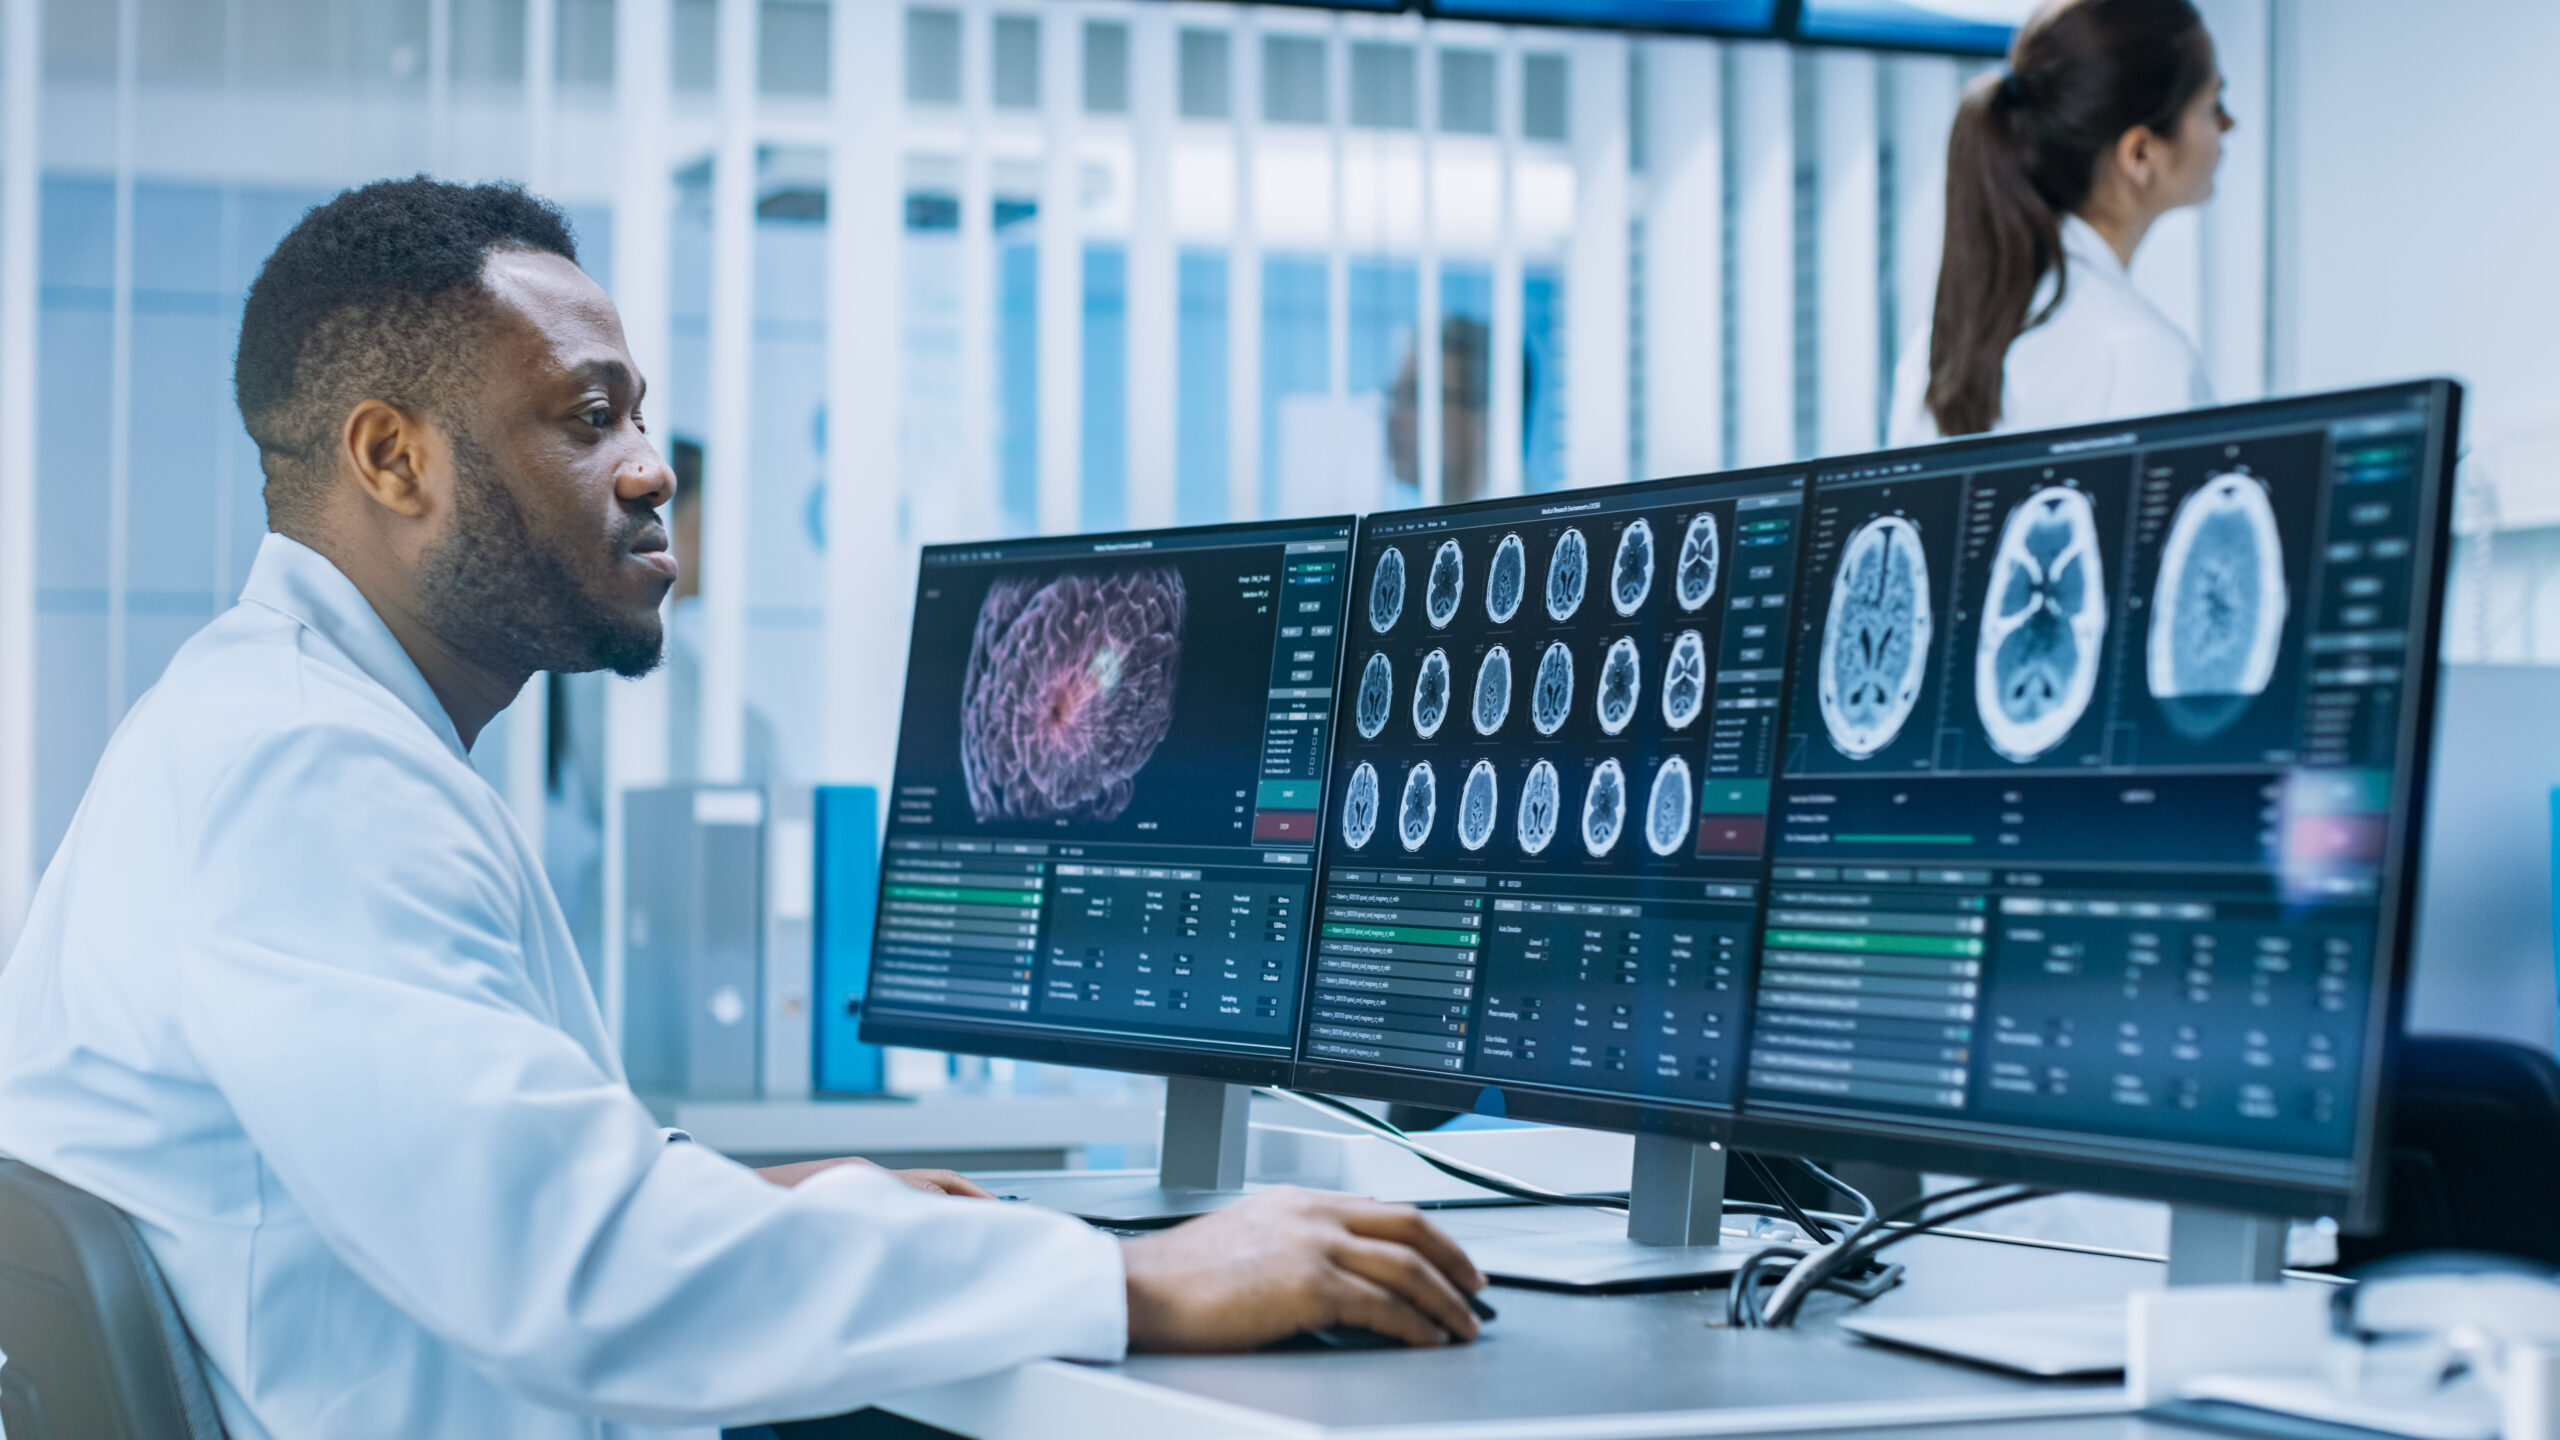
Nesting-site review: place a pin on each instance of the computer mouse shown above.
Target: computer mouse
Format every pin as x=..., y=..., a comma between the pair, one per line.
x=1361, y=1337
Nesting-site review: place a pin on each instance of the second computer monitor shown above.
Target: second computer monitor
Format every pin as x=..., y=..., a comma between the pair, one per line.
x=1547, y=808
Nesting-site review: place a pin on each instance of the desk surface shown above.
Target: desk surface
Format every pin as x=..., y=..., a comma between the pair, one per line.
x=1658, y=1366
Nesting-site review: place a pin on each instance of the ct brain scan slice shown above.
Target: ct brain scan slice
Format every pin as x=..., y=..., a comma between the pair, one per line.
x=1479, y=804
x=1386, y=591
x=1684, y=681
x=1701, y=556
x=1631, y=577
x=1875, y=645
x=1621, y=684
x=1507, y=580
x=1421, y=806
x=2218, y=608
x=1567, y=569
x=1447, y=586
x=1360, y=806
x=1376, y=698
x=1431, y=694
x=2044, y=614
x=1493, y=690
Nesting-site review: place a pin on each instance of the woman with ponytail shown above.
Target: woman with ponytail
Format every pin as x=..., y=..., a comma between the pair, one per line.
x=2108, y=117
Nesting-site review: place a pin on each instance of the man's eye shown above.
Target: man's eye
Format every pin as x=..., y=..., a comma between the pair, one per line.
x=600, y=417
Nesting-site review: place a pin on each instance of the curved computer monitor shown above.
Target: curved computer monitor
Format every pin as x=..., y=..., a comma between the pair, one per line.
x=2095, y=835
x=1102, y=824
x=1546, y=823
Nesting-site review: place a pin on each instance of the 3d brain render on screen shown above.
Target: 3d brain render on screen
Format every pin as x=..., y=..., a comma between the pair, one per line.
x=2043, y=616
x=1875, y=643
x=1069, y=690
x=2218, y=607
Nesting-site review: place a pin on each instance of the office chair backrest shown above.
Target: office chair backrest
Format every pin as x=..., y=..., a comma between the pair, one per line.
x=95, y=1346
x=2475, y=1153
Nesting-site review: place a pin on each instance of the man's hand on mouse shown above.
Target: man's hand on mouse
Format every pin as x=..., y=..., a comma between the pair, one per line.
x=1288, y=1260
x=932, y=1182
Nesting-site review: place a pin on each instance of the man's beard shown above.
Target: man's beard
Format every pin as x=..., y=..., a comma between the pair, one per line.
x=503, y=601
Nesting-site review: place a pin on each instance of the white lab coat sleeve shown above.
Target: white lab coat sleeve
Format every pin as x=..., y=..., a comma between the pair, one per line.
x=361, y=1003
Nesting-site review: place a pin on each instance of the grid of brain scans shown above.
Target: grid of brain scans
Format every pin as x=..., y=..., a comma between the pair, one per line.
x=1550, y=803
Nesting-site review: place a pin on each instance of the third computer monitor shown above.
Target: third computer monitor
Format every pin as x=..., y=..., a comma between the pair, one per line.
x=1547, y=813
x=2092, y=843
x=1102, y=825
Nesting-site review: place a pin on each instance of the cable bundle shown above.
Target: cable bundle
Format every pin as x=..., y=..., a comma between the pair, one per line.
x=1746, y=1309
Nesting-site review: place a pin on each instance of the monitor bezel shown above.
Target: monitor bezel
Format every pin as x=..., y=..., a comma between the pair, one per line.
x=1170, y=1057
x=1592, y=1110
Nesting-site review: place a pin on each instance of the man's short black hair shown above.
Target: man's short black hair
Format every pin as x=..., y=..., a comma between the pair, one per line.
x=374, y=295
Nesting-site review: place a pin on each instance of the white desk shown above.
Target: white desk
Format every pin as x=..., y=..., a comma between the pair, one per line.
x=1592, y=1368
x=940, y=1125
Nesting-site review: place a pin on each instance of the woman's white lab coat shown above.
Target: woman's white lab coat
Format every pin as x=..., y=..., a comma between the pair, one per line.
x=2106, y=353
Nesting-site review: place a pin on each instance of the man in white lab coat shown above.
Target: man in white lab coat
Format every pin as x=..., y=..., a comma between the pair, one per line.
x=295, y=996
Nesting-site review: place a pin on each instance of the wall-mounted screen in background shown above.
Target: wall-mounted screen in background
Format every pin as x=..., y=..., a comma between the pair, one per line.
x=1741, y=18
x=1962, y=27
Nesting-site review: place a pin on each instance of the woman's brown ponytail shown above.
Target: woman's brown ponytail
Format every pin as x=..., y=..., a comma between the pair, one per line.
x=2022, y=156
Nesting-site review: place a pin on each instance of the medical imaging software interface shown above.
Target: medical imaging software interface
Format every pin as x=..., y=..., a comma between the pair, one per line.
x=1548, y=798
x=1103, y=820
x=2080, y=824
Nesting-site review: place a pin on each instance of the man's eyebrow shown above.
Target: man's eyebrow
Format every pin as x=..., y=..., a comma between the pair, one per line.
x=611, y=374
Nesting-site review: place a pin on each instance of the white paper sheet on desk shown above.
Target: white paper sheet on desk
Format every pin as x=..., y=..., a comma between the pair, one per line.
x=2463, y=1410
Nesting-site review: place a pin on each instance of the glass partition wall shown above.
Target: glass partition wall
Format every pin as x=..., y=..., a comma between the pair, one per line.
x=909, y=274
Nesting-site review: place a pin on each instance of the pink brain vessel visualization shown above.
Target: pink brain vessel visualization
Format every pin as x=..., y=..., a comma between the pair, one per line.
x=1069, y=691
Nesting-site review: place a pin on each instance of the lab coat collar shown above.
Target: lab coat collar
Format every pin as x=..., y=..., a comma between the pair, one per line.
x=299, y=582
x=2087, y=248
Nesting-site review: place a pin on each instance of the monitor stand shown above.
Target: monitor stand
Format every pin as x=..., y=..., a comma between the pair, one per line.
x=2206, y=1247
x=1200, y=1166
x=1673, y=1240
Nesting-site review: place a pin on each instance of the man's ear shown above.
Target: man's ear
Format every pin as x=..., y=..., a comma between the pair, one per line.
x=390, y=452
